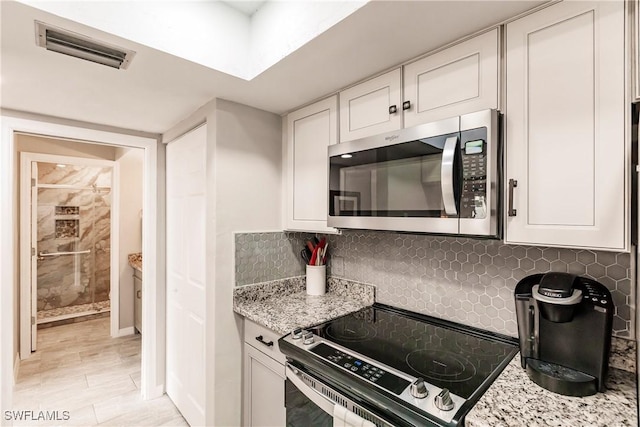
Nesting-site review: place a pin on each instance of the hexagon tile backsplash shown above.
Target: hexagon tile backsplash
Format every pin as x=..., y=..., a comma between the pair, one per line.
x=465, y=280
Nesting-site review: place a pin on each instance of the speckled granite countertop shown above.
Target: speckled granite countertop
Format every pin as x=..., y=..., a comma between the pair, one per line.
x=135, y=261
x=282, y=305
x=514, y=400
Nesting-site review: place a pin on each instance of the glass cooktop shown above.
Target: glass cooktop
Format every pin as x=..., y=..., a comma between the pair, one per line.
x=442, y=353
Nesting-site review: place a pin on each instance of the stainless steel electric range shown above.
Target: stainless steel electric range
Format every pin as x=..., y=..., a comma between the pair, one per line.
x=391, y=367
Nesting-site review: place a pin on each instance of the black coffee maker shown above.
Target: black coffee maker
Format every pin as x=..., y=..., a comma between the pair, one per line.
x=564, y=327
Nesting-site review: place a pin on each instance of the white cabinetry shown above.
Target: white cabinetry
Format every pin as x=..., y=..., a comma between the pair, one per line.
x=636, y=49
x=565, y=127
x=458, y=80
x=371, y=108
x=264, y=376
x=137, y=301
x=310, y=131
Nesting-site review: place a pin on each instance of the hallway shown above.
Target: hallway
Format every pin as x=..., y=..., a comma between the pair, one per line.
x=78, y=368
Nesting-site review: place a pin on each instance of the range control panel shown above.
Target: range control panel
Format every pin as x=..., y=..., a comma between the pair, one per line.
x=473, y=200
x=364, y=370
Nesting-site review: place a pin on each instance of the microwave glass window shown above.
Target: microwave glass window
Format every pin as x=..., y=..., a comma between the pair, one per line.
x=402, y=180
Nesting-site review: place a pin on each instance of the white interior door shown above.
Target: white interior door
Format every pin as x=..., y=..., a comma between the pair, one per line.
x=34, y=255
x=186, y=191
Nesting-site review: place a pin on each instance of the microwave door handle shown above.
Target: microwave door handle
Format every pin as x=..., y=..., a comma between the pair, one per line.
x=322, y=402
x=446, y=175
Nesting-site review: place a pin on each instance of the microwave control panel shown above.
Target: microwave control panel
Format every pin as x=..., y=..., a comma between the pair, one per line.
x=473, y=199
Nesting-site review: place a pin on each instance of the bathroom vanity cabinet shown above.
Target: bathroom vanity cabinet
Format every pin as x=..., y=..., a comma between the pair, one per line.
x=137, y=299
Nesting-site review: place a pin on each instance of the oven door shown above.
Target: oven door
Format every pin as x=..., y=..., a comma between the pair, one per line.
x=307, y=405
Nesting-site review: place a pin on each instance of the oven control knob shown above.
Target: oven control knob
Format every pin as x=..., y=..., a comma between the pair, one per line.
x=307, y=338
x=296, y=334
x=443, y=400
x=419, y=389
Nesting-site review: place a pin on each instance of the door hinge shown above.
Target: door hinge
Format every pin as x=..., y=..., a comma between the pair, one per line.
x=33, y=182
x=33, y=320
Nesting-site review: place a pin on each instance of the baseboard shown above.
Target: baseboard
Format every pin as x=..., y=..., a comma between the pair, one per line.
x=126, y=331
x=154, y=392
x=16, y=367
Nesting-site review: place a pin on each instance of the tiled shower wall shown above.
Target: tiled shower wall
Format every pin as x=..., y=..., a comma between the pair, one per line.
x=469, y=281
x=74, y=213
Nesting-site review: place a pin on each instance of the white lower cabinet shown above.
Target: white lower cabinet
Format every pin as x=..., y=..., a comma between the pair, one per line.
x=264, y=377
x=137, y=302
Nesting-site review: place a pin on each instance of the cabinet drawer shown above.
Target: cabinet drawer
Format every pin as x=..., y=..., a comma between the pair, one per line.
x=259, y=337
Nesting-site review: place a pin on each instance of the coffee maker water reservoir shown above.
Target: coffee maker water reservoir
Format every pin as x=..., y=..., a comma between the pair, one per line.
x=564, y=328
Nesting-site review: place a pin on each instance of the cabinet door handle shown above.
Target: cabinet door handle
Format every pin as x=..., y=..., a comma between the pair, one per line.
x=393, y=109
x=512, y=184
x=406, y=105
x=139, y=294
x=261, y=340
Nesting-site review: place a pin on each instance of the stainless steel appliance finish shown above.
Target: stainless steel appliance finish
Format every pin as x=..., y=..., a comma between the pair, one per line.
x=441, y=177
x=401, y=368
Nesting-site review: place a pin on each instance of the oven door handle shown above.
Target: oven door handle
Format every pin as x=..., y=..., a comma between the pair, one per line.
x=446, y=175
x=321, y=401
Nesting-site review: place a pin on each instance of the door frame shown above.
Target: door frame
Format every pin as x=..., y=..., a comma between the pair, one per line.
x=26, y=231
x=153, y=312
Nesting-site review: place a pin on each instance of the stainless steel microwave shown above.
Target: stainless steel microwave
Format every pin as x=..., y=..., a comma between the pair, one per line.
x=441, y=177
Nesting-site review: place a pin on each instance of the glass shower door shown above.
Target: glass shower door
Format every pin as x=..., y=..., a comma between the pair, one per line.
x=71, y=227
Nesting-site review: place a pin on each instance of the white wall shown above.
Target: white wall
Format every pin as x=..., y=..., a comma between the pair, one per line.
x=131, y=163
x=248, y=165
x=243, y=194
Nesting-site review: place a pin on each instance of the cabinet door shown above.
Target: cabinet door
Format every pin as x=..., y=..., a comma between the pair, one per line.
x=137, y=303
x=365, y=108
x=458, y=80
x=636, y=50
x=310, y=131
x=263, y=390
x=565, y=127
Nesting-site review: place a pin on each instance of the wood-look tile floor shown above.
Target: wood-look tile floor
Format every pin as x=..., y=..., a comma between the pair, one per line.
x=79, y=368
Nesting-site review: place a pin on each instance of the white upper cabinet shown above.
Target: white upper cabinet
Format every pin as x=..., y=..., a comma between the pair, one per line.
x=458, y=80
x=371, y=108
x=565, y=127
x=310, y=131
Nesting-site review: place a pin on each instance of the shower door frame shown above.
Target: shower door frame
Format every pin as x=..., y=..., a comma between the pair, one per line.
x=28, y=238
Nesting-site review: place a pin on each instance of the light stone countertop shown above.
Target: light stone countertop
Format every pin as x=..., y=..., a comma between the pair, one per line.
x=514, y=400
x=291, y=307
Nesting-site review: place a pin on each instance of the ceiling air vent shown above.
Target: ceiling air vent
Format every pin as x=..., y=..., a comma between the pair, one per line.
x=83, y=47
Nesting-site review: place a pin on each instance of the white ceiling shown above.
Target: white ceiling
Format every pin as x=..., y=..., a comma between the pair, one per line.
x=246, y=7
x=159, y=90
